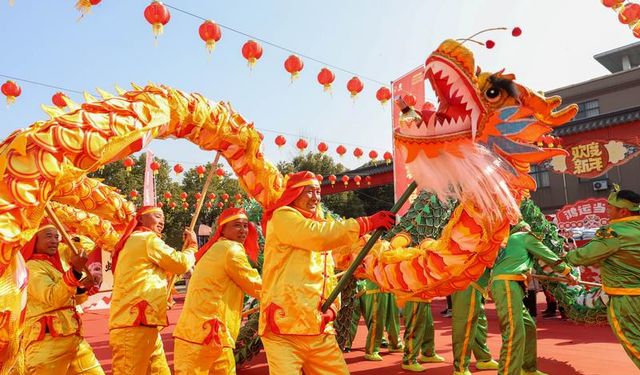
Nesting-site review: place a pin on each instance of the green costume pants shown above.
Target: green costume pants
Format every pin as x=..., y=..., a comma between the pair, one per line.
x=380, y=312
x=624, y=317
x=518, y=329
x=419, y=335
x=469, y=328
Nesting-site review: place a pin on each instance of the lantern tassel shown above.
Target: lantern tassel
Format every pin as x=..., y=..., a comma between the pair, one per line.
x=10, y=100
x=251, y=63
x=211, y=45
x=157, y=28
x=294, y=76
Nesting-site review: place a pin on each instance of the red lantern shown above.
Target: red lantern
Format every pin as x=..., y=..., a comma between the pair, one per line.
x=322, y=147
x=11, y=90
x=201, y=170
x=326, y=78
x=133, y=194
x=383, y=95
x=409, y=99
x=198, y=196
x=293, y=64
x=319, y=178
x=183, y=196
x=178, y=168
x=220, y=172
x=185, y=205
x=220, y=204
x=172, y=205
x=301, y=145
x=612, y=3
x=155, y=167
x=59, y=100
x=128, y=163
x=357, y=180
x=225, y=197
x=209, y=205
x=157, y=15
x=629, y=13
x=160, y=204
x=373, y=155
x=388, y=157
x=238, y=197
x=357, y=152
x=368, y=180
x=84, y=6
x=354, y=86
x=332, y=179
x=345, y=180
x=210, y=32
x=212, y=196
x=252, y=51
x=341, y=150
x=167, y=195
x=490, y=44
x=280, y=141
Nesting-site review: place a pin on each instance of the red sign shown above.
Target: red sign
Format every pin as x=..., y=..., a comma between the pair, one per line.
x=593, y=158
x=410, y=83
x=589, y=213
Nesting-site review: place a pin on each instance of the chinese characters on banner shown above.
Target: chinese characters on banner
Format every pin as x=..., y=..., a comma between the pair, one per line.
x=593, y=158
x=589, y=214
x=410, y=83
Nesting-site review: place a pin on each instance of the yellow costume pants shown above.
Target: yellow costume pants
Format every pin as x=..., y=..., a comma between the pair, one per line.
x=316, y=355
x=60, y=356
x=138, y=351
x=195, y=359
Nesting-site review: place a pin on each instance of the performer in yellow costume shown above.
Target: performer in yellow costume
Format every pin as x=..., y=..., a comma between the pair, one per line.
x=141, y=262
x=298, y=276
x=52, y=340
x=210, y=321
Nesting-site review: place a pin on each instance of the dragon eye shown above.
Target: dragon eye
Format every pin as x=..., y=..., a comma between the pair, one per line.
x=492, y=94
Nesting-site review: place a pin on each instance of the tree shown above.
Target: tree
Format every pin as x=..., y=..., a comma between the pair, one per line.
x=345, y=204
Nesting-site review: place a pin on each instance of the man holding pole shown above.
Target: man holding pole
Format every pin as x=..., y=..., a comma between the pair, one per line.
x=616, y=249
x=52, y=339
x=210, y=320
x=298, y=277
x=141, y=261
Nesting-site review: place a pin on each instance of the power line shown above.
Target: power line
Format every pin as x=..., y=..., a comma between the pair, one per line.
x=41, y=84
x=278, y=46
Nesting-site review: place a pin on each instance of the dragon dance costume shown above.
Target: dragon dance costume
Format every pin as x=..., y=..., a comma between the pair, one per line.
x=508, y=277
x=141, y=262
x=52, y=340
x=616, y=249
x=210, y=320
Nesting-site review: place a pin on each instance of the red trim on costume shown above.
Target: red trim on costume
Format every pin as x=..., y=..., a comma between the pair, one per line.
x=270, y=311
x=214, y=331
x=54, y=260
x=141, y=318
x=46, y=323
x=70, y=279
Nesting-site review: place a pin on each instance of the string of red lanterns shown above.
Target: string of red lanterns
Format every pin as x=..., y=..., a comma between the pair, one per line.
x=628, y=13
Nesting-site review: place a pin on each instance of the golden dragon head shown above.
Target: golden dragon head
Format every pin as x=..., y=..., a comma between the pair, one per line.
x=480, y=141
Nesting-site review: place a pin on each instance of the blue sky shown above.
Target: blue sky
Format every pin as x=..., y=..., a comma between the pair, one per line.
x=42, y=41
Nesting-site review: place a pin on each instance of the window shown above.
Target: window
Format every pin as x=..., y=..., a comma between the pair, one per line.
x=593, y=179
x=587, y=109
x=541, y=175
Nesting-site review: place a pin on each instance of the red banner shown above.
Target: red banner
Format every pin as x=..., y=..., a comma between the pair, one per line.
x=589, y=213
x=410, y=83
x=593, y=158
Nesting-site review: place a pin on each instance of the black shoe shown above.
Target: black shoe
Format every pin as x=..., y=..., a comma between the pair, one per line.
x=346, y=350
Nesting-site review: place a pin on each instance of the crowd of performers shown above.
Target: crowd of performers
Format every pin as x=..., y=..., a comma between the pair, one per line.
x=297, y=277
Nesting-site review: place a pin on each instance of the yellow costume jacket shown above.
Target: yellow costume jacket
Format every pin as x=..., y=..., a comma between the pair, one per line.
x=297, y=275
x=140, y=281
x=213, y=307
x=51, y=301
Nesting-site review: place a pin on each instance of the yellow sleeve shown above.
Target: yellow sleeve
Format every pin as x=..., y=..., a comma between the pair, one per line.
x=45, y=289
x=295, y=230
x=238, y=268
x=167, y=258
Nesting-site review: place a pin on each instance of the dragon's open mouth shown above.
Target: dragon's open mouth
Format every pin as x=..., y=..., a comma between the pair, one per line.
x=458, y=105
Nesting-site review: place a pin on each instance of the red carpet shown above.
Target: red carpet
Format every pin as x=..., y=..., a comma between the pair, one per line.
x=564, y=348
